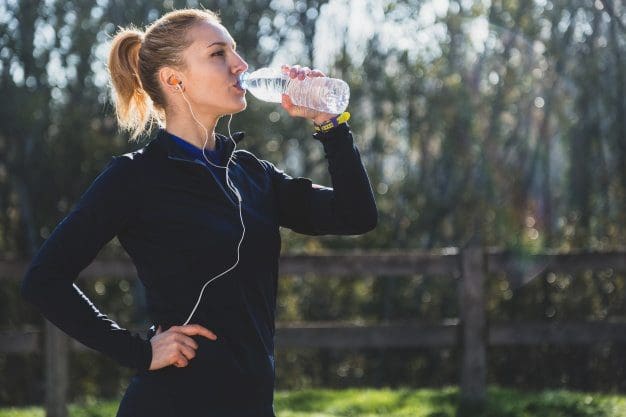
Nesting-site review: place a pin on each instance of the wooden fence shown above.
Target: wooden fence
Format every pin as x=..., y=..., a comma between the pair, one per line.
x=470, y=332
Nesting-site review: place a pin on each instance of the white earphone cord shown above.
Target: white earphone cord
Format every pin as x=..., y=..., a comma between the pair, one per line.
x=231, y=186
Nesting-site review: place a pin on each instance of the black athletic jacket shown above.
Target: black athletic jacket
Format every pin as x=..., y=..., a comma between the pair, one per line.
x=180, y=225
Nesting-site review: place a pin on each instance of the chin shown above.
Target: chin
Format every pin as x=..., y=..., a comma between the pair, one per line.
x=241, y=107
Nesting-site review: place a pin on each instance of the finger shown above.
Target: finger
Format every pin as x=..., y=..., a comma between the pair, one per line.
x=286, y=102
x=285, y=68
x=292, y=109
x=190, y=342
x=316, y=73
x=293, y=72
x=180, y=361
x=182, y=339
x=187, y=352
x=303, y=73
x=196, y=329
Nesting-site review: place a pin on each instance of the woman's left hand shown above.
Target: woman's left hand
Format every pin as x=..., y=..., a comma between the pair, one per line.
x=301, y=73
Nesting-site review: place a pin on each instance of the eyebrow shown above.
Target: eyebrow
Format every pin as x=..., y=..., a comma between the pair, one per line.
x=222, y=44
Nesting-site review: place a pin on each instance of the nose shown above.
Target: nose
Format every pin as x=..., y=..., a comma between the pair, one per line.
x=240, y=65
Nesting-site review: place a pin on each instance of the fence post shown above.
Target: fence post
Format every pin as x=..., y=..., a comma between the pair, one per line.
x=473, y=328
x=56, y=368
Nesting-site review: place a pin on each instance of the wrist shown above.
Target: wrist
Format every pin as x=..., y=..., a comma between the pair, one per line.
x=331, y=122
x=323, y=117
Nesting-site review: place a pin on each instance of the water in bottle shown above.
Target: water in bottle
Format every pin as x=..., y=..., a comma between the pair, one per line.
x=328, y=95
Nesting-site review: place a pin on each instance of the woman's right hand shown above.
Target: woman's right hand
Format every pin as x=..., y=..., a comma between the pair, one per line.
x=175, y=345
x=296, y=71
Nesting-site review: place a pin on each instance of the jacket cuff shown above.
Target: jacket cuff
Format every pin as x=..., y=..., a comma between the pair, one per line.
x=338, y=137
x=143, y=355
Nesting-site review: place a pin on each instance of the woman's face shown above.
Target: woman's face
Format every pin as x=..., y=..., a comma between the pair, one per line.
x=212, y=70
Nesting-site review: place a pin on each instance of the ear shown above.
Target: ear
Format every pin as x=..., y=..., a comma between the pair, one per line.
x=170, y=78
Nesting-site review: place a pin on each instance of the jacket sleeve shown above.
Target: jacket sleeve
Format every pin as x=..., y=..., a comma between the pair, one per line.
x=105, y=209
x=348, y=208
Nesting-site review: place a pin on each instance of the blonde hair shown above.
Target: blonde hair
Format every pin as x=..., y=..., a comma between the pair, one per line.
x=135, y=59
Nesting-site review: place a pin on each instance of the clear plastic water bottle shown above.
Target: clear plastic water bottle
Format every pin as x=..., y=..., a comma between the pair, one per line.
x=328, y=95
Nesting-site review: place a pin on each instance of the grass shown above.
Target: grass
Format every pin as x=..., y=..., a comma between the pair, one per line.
x=401, y=403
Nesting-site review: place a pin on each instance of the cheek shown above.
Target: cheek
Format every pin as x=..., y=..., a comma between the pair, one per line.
x=211, y=79
x=204, y=85
x=201, y=72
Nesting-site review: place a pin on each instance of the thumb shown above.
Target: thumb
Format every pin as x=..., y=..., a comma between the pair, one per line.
x=286, y=102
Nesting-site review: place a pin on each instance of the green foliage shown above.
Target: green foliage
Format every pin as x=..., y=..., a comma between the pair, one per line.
x=401, y=403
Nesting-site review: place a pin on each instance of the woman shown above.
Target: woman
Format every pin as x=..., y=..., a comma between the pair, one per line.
x=200, y=222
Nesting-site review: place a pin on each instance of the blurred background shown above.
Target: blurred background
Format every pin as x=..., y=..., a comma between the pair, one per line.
x=497, y=120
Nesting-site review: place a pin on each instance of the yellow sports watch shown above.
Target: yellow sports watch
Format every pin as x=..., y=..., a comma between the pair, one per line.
x=334, y=122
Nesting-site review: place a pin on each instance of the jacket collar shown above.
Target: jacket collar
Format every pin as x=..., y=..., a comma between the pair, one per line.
x=164, y=143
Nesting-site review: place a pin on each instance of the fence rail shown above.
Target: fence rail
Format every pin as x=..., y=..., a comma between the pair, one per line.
x=470, y=332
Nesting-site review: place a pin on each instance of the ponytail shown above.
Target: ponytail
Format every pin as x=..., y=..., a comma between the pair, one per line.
x=133, y=107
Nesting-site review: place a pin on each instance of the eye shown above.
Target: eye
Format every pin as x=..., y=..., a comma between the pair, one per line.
x=218, y=53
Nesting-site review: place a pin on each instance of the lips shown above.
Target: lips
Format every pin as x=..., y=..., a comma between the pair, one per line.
x=238, y=84
x=238, y=88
